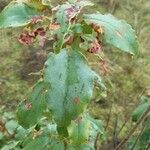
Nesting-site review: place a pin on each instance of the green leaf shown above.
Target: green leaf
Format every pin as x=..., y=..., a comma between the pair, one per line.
x=54, y=145
x=65, y=12
x=144, y=99
x=50, y=129
x=46, y=2
x=1, y=136
x=20, y=133
x=145, y=137
x=79, y=147
x=79, y=130
x=71, y=85
x=11, y=145
x=17, y=14
x=63, y=16
x=77, y=28
x=85, y=129
x=39, y=143
x=116, y=32
x=140, y=110
x=85, y=147
x=11, y=126
x=81, y=3
x=39, y=5
x=31, y=110
x=8, y=115
x=70, y=147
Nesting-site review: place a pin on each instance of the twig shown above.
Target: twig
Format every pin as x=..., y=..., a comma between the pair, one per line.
x=148, y=147
x=108, y=119
x=127, y=119
x=138, y=137
x=96, y=140
x=115, y=131
x=133, y=129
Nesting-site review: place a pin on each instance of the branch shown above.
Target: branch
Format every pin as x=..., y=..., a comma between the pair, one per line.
x=141, y=119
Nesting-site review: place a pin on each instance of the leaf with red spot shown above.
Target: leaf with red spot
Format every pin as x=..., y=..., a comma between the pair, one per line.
x=116, y=32
x=64, y=15
x=90, y=44
x=84, y=130
x=31, y=110
x=72, y=80
x=79, y=131
x=76, y=101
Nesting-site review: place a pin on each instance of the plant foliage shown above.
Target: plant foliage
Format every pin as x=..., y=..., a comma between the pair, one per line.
x=54, y=116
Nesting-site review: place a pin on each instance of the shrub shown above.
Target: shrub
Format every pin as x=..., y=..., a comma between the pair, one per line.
x=55, y=115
